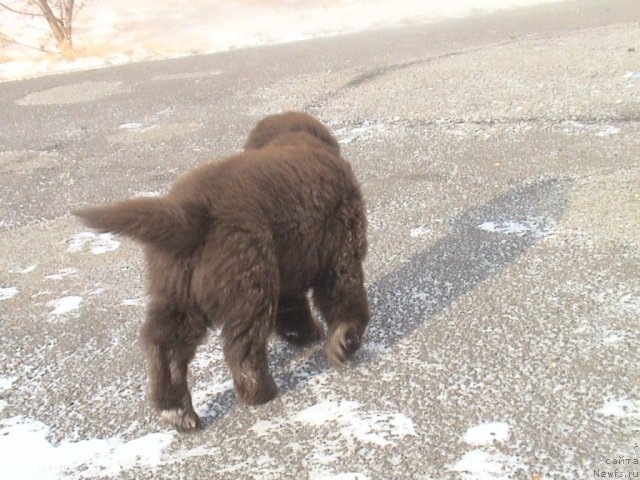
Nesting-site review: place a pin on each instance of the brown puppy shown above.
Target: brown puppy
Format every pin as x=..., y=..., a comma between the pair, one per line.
x=238, y=244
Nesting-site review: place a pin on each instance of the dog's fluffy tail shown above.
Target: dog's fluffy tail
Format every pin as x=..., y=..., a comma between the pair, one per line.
x=160, y=222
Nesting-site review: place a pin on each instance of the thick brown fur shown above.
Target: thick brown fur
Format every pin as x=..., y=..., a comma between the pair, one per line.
x=238, y=244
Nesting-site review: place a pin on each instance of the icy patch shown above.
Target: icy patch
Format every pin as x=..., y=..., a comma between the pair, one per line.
x=346, y=135
x=632, y=75
x=65, y=305
x=131, y=126
x=612, y=338
x=6, y=383
x=573, y=127
x=136, y=127
x=534, y=226
x=350, y=421
x=481, y=465
x=98, y=243
x=134, y=302
x=41, y=294
x=8, y=292
x=147, y=194
x=324, y=475
x=621, y=409
x=65, y=272
x=419, y=232
x=28, y=269
x=487, y=433
x=25, y=453
x=608, y=131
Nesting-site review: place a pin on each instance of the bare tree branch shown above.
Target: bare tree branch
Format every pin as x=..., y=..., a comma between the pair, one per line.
x=62, y=34
x=61, y=25
x=8, y=39
x=33, y=14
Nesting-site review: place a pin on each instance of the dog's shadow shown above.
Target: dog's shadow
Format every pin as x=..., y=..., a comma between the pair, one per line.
x=482, y=242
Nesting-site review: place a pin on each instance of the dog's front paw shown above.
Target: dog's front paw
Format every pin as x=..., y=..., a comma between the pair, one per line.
x=342, y=344
x=181, y=419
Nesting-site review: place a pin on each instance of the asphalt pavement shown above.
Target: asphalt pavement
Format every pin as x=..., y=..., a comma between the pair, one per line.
x=499, y=156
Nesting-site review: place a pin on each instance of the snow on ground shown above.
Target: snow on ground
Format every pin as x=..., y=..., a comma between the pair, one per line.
x=97, y=243
x=65, y=305
x=8, y=292
x=111, y=32
x=486, y=463
x=27, y=453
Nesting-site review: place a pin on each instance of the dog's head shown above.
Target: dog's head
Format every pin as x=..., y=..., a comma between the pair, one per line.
x=290, y=128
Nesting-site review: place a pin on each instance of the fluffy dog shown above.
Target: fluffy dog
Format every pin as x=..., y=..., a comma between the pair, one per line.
x=237, y=244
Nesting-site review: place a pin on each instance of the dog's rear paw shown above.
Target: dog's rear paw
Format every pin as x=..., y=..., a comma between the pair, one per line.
x=342, y=344
x=182, y=420
x=253, y=392
x=304, y=336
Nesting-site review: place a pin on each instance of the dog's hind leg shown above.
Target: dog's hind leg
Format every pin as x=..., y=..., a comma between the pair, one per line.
x=342, y=299
x=245, y=348
x=294, y=321
x=237, y=285
x=171, y=339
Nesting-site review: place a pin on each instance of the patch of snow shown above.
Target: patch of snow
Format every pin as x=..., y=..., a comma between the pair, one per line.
x=534, y=226
x=621, y=409
x=611, y=339
x=324, y=475
x=65, y=272
x=608, y=131
x=136, y=127
x=103, y=244
x=131, y=126
x=348, y=135
x=487, y=433
x=77, y=242
x=571, y=127
x=8, y=292
x=41, y=294
x=147, y=194
x=419, y=232
x=482, y=465
x=6, y=383
x=98, y=243
x=65, y=305
x=134, y=302
x=350, y=420
x=28, y=269
x=26, y=453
